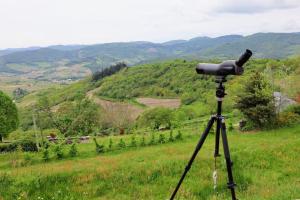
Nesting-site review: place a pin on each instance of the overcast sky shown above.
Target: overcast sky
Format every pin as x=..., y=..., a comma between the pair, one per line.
x=48, y=22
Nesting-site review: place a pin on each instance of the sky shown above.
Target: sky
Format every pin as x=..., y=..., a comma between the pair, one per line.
x=27, y=23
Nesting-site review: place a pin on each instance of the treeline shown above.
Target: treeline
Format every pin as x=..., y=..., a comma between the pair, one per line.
x=108, y=71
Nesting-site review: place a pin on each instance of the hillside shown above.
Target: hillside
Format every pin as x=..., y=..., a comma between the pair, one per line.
x=174, y=82
x=266, y=166
x=59, y=63
x=173, y=79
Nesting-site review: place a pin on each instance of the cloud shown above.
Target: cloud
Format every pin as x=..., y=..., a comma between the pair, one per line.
x=48, y=22
x=255, y=6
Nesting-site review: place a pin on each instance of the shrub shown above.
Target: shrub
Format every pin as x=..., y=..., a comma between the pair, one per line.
x=143, y=142
x=99, y=147
x=110, y=145
x=156, y=118
x=4, y=147
x=25, y=144
x=161, y=138
x=288, y=119
x=171, y=138
x=230, y=126
x=73, y=150
x=46, y=156
x=152, y=141
x=179, y=135
x=133, y=142
x=121, y=144
x=58, y=151
x=294, y=109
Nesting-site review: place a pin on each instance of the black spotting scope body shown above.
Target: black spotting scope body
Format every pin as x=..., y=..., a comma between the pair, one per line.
x=228, y=67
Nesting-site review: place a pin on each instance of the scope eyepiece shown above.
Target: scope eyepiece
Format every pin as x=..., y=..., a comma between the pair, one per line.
x=228, y=67
x=244, y=58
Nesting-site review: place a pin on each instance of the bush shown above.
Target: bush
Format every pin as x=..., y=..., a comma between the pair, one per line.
x=99, y=147
x=25, y=144
x=152, y=141
x=161, y=138
x=156, y=118
x=73, y=150
x=171, y=138
x=121, y=144
x=46, y=156
x=110, y=145
x=143, y=142
x=58, y=151
x=133, y=142
x=288, y=119
x=294, y=109
x=7, y=147
x=230, y=126
x=178, y=136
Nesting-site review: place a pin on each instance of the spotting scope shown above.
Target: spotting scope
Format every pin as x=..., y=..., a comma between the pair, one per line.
x=228, y=67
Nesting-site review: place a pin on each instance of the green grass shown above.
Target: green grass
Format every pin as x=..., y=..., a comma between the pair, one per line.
x=266, y=166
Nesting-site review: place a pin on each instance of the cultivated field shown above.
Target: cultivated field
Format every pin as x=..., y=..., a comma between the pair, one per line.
x=152, y=102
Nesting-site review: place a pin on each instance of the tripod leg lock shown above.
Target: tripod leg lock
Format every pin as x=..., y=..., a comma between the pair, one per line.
x=231, y=185
x=217, y=155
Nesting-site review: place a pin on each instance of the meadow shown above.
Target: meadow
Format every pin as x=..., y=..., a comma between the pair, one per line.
x=266, y=166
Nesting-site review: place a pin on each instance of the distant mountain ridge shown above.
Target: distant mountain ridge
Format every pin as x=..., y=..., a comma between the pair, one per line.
x=95, y=57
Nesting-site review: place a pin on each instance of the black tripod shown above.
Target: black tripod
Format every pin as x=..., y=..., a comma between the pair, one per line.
x=221, y=128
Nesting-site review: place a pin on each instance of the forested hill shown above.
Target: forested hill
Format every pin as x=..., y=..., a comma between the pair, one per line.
x=174, y=79
x=95, y=57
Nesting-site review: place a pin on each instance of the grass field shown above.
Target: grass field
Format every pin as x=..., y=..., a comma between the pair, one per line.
x=266, y=166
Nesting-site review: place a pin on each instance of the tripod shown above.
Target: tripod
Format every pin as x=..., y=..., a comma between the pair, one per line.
x=221, y=129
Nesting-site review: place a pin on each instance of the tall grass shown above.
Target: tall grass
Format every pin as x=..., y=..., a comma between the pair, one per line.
x=266, y=166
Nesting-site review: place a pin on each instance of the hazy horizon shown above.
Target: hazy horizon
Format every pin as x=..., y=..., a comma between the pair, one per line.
x=96, y=43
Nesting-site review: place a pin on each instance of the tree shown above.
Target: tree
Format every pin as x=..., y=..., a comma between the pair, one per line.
x=108, y=71
x=256, y=101
x=8, y=115
x=86, y=118
x=70, y=118
x=157, y=118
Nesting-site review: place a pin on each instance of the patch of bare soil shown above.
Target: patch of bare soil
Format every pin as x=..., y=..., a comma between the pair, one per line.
x=121, y=108
x=152, y=102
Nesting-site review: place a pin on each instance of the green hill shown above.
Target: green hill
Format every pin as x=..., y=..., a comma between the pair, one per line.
x=40, y=63
x=176, y=78
x=170, y=79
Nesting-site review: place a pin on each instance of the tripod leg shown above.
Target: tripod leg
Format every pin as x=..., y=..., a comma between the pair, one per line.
x=217, y=137
x=229, y=163
x=198, y=147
